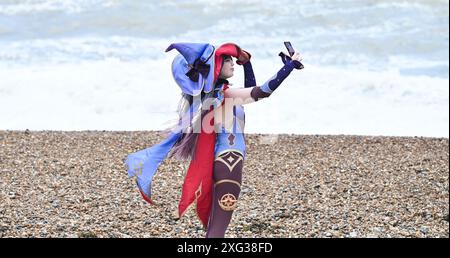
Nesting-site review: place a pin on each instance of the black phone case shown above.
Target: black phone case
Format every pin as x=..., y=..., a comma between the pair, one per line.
x=289, y=47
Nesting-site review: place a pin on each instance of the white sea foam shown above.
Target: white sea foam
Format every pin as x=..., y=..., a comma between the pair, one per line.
x=117, y=95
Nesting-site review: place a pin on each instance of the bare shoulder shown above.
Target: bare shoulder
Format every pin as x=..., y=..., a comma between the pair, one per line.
x=241, y=95
x=237, y=92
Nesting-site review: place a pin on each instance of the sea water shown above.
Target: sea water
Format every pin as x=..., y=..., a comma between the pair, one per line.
x=372, y=67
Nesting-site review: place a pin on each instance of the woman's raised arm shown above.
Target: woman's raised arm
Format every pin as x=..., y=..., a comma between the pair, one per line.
x=242, y=96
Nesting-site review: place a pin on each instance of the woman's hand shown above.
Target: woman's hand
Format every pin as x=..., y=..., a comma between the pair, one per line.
x=296, y=59
x=243, y=58
x=296, y=56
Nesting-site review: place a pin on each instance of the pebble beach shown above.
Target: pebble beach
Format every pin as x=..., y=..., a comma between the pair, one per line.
x=73, y=184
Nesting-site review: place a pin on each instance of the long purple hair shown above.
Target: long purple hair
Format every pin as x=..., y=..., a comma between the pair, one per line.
x=184, y=148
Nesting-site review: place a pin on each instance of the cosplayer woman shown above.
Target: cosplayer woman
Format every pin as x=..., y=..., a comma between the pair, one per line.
x=210, y=131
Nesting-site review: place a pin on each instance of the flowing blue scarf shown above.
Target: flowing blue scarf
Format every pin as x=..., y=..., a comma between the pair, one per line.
x=143, y=164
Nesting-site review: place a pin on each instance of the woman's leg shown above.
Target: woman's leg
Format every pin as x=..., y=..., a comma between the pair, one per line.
x=227, y=186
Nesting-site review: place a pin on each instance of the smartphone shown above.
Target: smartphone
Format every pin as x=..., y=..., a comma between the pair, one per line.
x=291, y=53
x=289, y=48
